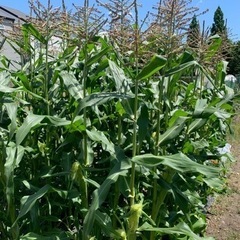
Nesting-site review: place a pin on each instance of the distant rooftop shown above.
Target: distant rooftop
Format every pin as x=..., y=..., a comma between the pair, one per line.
x=11, y=13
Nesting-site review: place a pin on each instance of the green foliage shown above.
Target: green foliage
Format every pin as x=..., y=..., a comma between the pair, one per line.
x=234, y=66
x=219, y=26
x=92, y=148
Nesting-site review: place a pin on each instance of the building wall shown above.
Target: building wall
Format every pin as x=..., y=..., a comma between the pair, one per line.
x=7, y=50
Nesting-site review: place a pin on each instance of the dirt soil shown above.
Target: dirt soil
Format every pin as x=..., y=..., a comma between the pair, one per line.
x=223, y=219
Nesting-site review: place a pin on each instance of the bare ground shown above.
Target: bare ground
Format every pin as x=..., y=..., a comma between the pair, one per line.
x=223, y=219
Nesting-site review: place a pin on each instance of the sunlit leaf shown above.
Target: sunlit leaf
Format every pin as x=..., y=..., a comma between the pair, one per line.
x=180, y=229
x=29, y=122
x=100, y=98
x=98, y=56
x=122, y=83
x=178, y=162
x=74, y=87
x=34, y=32
x=173, y=131
x=156, y=63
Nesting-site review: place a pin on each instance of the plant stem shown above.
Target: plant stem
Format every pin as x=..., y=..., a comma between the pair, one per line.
x=85, y=75
x=155, y=190
x=132, y=234
x=167, y=176
x=134, y=140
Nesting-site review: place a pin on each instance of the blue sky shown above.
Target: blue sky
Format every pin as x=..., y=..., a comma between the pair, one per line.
x=230, y=9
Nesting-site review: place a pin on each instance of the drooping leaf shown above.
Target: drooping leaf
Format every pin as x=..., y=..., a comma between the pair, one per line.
x=34, y=32
x=100, y=98
x=181, y=67
x=98, y=136
x=14, y=157
x=98, y=56
x=196, y=124
x=5, y=79
x=12, y=113
x=173, y=131
x=180, y=229
x=157, y=62
x=29, y=201
x=179, y=162
x=74, y=87
x=30, y=121
x=122, y=83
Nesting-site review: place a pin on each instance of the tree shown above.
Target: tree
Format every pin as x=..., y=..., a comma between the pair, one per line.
x=234, y=62
x=219, y=26
x=193, y=33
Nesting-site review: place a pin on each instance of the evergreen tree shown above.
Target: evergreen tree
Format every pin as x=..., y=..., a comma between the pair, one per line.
x=234, y=62
x=193, y=33
x=219, y=26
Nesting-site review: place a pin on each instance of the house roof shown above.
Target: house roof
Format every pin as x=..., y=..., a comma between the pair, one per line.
x=11, y=13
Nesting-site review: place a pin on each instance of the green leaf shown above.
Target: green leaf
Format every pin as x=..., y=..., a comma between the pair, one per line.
x=173, y=131
x=34, y=32
x=12, y=113
x=100, y=98
x=104, y=221
x=14, y=157
x=56, y=121
x=100, y=194
x=176, y=115
x=29, y=201
x=5, y=80
x=180, y=229
x=30, y=121
x=214, y=183
x=196, y=124
x=101, y=137
x=181, y=67
x=179, y=162
x=97, y=57
x=156, y=63
x=122, y=83
x=201, y=104
x=50, y=236
x=74, y=87
x=213, y=47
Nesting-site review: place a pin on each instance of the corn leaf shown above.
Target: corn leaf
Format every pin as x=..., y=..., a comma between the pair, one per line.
x=173, y=131
x=29, y=122
x=97, y=57
x=100, y=194
x=74, y=87
x=180, y=229
x=100, y=98
x=29, y=201
x=28, y=27
x=157, y=62
x=179, y=162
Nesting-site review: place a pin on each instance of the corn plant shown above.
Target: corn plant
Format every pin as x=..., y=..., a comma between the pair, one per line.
x=92, y=148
